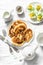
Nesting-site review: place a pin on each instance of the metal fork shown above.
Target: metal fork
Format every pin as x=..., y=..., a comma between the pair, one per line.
x=7, y=42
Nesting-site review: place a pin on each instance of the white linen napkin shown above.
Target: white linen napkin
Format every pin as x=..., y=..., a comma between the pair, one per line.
x=4, y=49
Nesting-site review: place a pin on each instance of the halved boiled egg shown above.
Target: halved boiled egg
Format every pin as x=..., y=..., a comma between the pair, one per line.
x=39, y=17
x=38, y=7
x=30, y=7
x=32, y=15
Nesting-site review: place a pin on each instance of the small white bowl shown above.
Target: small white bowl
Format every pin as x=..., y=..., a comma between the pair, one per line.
x=21, y=12
x=7, y=16
x=40, y=39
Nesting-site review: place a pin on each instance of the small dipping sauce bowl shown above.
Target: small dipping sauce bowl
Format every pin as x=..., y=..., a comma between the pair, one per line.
x=19, y=10
x=40, y=39
x=7, y=16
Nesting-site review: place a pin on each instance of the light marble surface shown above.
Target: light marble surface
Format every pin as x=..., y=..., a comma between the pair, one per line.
x=5, y=57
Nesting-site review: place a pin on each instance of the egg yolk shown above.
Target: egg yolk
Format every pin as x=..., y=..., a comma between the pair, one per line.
x=32, y=14
x=39, y=17
x=38, y=7
x=30, y=7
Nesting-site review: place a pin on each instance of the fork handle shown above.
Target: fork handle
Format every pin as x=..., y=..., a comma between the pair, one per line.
x=7, y=41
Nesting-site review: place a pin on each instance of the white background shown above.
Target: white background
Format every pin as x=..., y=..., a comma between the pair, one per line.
x=4, y=49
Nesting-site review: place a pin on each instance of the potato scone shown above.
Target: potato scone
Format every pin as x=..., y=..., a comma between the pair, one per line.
x=28, y=35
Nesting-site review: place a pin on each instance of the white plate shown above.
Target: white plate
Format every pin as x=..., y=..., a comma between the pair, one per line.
x=30, y=20
x=25, y=44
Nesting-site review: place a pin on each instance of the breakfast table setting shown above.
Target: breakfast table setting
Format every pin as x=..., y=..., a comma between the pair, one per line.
x=21, y=32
